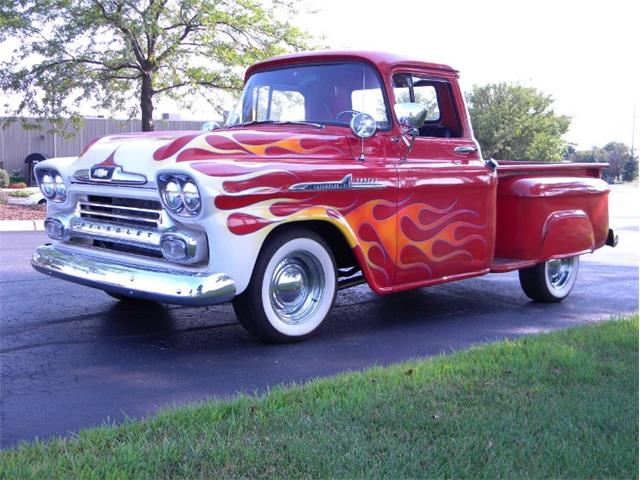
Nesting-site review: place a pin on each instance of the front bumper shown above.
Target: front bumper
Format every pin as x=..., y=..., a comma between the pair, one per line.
x=161, y=285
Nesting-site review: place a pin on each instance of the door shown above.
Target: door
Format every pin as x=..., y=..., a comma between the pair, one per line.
x=446, y=203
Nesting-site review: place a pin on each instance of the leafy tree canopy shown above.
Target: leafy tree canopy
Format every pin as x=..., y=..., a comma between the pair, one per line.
x=513, y=122
x=622, y=164
x=121, y=55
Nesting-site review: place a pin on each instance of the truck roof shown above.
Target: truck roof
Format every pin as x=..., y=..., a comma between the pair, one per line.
x=382, y=60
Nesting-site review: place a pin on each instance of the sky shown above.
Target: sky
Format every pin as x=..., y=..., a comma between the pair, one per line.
x=585, y=54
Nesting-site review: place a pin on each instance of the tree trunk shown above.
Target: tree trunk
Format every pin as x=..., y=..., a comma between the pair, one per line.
x=146, y=103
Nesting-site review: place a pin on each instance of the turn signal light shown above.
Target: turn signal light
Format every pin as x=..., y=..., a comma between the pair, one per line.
x=54, y=228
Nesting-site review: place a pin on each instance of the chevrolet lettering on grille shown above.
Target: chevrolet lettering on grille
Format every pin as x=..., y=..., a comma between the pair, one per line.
x=114, y=232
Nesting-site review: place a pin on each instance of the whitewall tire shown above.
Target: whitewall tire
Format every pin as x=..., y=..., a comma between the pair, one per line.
x=550, y=281
x=292, y=288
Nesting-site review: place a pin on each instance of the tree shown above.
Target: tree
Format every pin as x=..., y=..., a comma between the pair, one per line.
x=595, y=155
x=618, y=154
x=630, y=170
x=513, y=122
x=622, y=164
x=121, y=55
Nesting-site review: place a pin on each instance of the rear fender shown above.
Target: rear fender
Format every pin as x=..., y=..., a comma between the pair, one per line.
x=567, y=233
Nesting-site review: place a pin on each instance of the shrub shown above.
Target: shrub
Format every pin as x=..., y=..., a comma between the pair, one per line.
x=16, y=176
x=4, y=178
x=18, y=185
x=20, y=194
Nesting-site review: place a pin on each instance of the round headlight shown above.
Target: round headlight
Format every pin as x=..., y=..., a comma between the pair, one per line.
x=59, y=185
x=191, y=197
x=46, y=185
x=173, y=195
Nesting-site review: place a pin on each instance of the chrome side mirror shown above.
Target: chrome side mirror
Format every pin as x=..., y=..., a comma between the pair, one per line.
x=411, y=115
x=210, y=125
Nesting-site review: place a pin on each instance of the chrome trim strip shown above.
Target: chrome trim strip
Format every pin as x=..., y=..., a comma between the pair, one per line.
x=83, y=177
x=115, y=175
x=161, y=285
x=120, y=207
x=95, y=213
x=347, y=183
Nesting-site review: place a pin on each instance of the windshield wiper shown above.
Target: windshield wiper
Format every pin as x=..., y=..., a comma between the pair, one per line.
x=277, y=122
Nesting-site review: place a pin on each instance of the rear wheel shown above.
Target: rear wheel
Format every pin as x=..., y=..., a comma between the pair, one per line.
x=292, y=289
x=550, y=281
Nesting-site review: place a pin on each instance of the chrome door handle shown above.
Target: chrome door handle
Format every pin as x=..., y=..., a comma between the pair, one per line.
x=465, y=149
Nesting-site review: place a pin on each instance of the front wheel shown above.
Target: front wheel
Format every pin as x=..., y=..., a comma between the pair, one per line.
x=550, y=281
x=292, y=289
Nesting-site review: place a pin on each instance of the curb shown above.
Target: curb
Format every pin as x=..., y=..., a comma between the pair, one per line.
x=21, y=225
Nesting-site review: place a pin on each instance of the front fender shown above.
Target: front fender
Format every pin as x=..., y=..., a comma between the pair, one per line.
x=247, y=231
x=246, y=201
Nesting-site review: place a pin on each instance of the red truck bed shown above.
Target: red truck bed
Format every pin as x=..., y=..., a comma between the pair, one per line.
x=548, y=210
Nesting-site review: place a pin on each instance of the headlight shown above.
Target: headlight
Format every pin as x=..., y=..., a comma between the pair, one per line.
x=52, y=185
x=180, y=194
x=173, y=196
x=191, y=197
x=59, y=185
x=46, y=185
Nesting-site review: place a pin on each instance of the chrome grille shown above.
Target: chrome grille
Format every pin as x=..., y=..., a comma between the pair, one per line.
x=122, y=211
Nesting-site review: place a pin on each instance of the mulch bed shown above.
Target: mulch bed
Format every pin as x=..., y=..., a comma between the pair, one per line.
x=23, y=212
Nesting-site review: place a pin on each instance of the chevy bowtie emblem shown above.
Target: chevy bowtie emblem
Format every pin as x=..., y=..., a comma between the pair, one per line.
x=102, y=173
x=115, y=174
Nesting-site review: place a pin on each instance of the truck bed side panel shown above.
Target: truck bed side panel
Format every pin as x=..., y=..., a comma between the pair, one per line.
x=544, y=216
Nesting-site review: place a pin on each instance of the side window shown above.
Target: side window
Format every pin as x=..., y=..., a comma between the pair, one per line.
x=426, y=95
x=402, y=88
x=435, y=94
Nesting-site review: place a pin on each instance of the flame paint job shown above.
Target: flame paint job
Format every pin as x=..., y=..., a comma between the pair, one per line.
x=434, y=219
x=438, y=216
x=255, y=143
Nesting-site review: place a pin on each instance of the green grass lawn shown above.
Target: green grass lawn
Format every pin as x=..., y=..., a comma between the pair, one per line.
x=563, y=404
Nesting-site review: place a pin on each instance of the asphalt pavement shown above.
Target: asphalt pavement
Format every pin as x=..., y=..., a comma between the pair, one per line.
x=71, y=357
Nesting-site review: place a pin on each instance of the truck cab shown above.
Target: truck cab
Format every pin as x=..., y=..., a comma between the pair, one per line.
x=335, y=168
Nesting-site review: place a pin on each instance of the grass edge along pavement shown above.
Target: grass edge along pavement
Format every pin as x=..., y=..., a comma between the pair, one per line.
x=563, y=404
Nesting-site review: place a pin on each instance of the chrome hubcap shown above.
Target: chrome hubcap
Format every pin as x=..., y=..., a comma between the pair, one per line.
x=296, y=287
x=559, y=272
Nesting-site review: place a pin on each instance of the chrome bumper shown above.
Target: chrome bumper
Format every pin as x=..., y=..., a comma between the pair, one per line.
x=168, y=286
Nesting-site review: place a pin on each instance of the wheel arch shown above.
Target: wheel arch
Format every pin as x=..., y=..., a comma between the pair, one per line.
x=566, y=233
x=339, y=237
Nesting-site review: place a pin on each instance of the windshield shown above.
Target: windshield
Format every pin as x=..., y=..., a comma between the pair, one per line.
x=325, y=94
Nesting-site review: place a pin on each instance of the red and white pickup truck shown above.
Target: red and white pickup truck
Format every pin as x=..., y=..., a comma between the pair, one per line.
x=336, y=168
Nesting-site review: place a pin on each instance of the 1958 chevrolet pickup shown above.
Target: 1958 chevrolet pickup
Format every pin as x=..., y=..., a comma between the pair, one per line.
x=336, y=168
